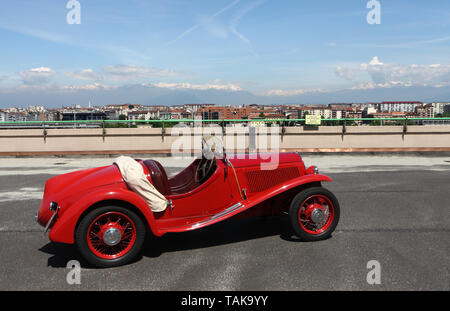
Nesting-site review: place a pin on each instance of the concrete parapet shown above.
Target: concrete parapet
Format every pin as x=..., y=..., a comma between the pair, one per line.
x=155, y=140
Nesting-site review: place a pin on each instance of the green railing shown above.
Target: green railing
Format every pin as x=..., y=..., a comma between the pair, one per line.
x=100, y=122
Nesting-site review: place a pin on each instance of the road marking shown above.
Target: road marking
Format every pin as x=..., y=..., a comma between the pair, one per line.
x=52, y=166
x=326, y=164
x=23, y=194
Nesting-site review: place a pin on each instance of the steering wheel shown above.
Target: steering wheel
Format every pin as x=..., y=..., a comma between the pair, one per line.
x=206, y=163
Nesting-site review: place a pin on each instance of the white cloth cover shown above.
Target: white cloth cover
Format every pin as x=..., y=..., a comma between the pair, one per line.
x=133, y=174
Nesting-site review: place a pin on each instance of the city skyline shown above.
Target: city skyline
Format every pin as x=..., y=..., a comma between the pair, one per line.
x=226, y=52
x=373, y=110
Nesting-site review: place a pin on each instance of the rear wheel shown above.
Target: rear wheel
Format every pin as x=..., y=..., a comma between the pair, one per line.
x=110, y=236
x=314, y=214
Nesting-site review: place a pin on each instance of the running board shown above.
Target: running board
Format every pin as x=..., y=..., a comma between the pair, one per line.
x=214, y=217
x=231, y=211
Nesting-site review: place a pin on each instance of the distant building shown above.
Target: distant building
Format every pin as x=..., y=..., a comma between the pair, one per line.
x=387, y=115
x=165, y=115
x=324, y=112
x=83, y=116
x=54, y=115
x=177, y=114
x=339, y=106
x=338, y=114
x=3, y=116
x=354, y=113
x=221, y=113
x=425, y=111
x=368, y=111
x=290, y=113
x=17, y=116
x=439, y=107
x=400, y=106
x=36, y=116
x=123, y=109
x=193, y=108
x=36, y=109
x=143, y=115
x=339, y=111
x=123, y=106
x=447, y=108
x=112, y=114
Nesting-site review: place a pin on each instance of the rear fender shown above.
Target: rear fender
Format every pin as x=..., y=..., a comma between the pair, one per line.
x=64, y=229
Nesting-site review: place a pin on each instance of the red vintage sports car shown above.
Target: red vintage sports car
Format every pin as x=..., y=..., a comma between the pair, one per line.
x=108, y=222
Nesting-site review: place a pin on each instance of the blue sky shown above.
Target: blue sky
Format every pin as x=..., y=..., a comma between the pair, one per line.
x=268, y=48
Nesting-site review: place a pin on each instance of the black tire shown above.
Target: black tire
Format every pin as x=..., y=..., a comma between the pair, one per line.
x=294, y=210
x=81, y=237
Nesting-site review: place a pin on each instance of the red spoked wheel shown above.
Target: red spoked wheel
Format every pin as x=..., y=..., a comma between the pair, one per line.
x=314, y=213
x=110, y=236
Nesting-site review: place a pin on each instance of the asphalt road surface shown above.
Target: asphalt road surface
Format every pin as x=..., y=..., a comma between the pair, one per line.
x=393, y=209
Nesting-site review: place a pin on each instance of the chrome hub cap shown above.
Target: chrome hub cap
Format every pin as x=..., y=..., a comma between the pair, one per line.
x=317, y=215
x=112, y=236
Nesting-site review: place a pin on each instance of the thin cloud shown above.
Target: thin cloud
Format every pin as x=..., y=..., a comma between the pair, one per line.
x=237, y=18
x=177, y=86
x=86, y=74
x=133, y=71
x=124, y=73
x=126, y=54
x=407, y=45
x=213, y=85
x=191, y=29
x=37, y=76
x=288, y=93
x=389, y=75
x=40, y=34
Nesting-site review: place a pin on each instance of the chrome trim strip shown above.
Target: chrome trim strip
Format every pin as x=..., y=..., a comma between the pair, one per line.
x=227, y=211
x=55, y=213
x=221, y=214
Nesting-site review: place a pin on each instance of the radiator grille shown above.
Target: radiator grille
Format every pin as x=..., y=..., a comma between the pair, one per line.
x=263, y=180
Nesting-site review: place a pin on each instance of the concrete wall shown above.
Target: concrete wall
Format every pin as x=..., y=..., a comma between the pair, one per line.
x=151, y=140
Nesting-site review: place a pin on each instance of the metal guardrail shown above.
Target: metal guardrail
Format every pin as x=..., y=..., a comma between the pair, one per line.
x=48, y=129
x=212, y=121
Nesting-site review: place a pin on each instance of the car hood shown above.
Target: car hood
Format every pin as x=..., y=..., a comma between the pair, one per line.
x=248, y=160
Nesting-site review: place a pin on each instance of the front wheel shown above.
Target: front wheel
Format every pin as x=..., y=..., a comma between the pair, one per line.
x=314, y=214
x=110, y=236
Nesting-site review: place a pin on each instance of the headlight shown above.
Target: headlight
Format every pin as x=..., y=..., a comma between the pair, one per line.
x=53, y=206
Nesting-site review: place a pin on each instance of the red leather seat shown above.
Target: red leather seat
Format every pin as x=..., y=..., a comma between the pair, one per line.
x=159, y=176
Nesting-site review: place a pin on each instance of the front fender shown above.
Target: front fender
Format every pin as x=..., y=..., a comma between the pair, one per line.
x=64, y=229
x=302, y=180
